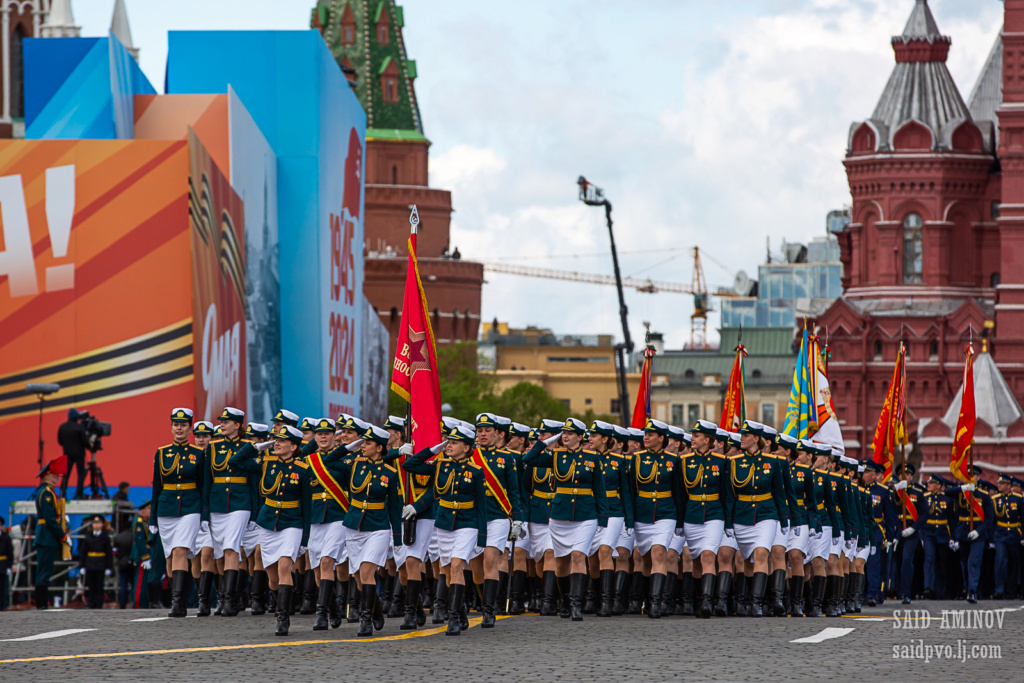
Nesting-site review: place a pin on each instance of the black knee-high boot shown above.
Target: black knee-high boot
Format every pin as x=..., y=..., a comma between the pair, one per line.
x=607, y=592
x=440, y=601
x=778, y=608
x=324, y=600
x=205, y=583
x=817, y=595
x=454, y=606
x=687, y=592
x=621, y=596
x=548, y=599
x=722, y=592
x=637, y=593
x=258, y=593
x=367, y=598
x=178, y=578
x=412, y=603
x=707, y=587
x=796, y=596
x=354, y=601
x=756, y=595
x=284, y=603
x=577, y=582
x=563, y=592
x=654, y=595
x=517, y=604
x=336, y=612
x=501, y=596
x=490, y=593
x=668, y=594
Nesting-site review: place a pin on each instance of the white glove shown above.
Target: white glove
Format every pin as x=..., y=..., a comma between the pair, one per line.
x=908, y=532
x=438, y=448
x=408, y=512
x=264, y=446
x=405, y=449
x=204, y=526
x=730, y=533
x=354, y=446
x=517, y=530
x=900, y=485
x=552, y=439
x=967, y=488
x=953, y=545
x=679, y=532
x=153, y=529
x=973, y=536
x=251, y=526
x=796, y=531
x=850, y=544
x=9, y=571
x=817, y=536
x=895, y=544
x=629, y=532
x=106, y=572
x=785, y=531
x=146, y=564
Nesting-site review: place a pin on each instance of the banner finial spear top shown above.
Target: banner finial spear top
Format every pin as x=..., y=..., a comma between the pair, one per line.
x=414, y=220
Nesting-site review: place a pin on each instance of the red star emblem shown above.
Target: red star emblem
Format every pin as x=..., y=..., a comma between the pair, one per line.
x=418, y=357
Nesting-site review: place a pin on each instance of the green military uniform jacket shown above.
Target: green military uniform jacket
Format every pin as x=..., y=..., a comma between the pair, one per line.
x=758, y=489
x=851, y=508
x=787, y=481
x=140, y=541
x=284, y=487
x=656, y=486
x=538, y=487
x=50, y=530
x=828, y=508
x=323, y=508
x=864, y=514
x=503, y=463
x=225, y=488
x=375, y=501
x=618, y=501
x=178, y=479
x=578, y=482
x=455, y=494
x=706, y=488
x=807, y=505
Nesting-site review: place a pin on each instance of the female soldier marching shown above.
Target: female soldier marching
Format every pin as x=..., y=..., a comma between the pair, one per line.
x=456, y=497
x=284, y=517
x=178, y=471
x=373, y=520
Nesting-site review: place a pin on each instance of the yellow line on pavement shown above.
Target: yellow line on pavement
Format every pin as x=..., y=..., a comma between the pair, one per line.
x=250, y=646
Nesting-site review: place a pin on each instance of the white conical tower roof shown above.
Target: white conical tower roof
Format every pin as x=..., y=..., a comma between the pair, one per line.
x=120, y=28
x=993, y=401
x=60, y=22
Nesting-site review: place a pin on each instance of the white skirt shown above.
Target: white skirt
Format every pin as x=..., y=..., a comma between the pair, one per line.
x=728, y=542
x=625, y=541
x=497, y=535
x=761, y=535
x=650, y=535
x=326, y=540
x=801, y=542
x=849, y=553
x=178, y=532
x=433, y=550
x=251, y=538
x=572, y=537
x=540, y=540
x=862, y=553
x=227, y=529
x=677, y=543
x=203, y=540
x=277, y=544
x=418, y=550
x=608, y=535
x=523, y=542
x=458, y=544
x=706, y=536
x=780, y=539
x=367, y=546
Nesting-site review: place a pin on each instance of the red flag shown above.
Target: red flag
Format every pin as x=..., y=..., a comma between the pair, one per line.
x=890, y=430
x=909, y=504
x=642, y=407
x=734, y=409
x=414, y=372
x=959, y=462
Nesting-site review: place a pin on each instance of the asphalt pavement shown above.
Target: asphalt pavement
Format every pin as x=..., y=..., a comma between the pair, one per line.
x=931, y=641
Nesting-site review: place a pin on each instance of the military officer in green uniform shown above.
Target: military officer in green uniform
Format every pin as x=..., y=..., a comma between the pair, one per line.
x=178, y=476
x=283, y=479
x=374, y=517
x=51, y=529
x=456, y=494
x=619, y=504
x=759, y=506
x=141, y=556
x=327, y=533
x=227, y=498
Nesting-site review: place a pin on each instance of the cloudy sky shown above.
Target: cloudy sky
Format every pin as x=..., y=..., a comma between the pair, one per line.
x=708, y=123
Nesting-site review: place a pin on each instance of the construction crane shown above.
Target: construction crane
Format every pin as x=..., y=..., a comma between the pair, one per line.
x=592, y=195
x=697, y=287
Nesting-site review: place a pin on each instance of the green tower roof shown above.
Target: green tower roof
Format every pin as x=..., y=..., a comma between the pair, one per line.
x=366, y=35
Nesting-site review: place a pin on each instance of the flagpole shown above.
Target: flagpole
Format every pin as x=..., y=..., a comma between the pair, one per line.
x=409, y=525
x=903, y=467
x=970, y=451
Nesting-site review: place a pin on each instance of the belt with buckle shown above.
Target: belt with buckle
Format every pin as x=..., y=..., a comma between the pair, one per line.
x=282, y=504
x=180, y=487
x=456, y=505
x=656, y=494
x=709, y=497
x=759, y=498
x=364, y=505
x=230, y=480
x=574, y=492
x=542, y=494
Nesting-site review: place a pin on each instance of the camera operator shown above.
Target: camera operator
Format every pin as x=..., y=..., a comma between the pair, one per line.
x=73, y=438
